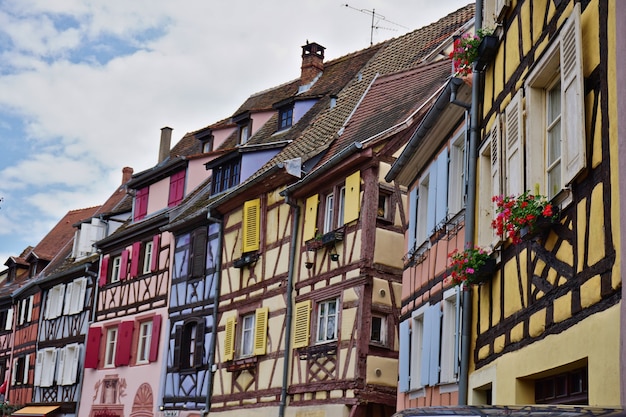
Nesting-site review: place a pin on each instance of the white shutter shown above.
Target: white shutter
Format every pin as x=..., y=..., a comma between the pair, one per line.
x=14, y=373
x=26, y=366
x=496, y=168
x=69, y=289
x=404, y=356
x=78, y=298
x=431, y=215
x=412, y=218
x=60, y=365
x=514, y=146
x=71, y=364
x=9, y=323
x=39, y=367
x=441, y=204
x=47, y=311
x=572, y=93
x=22, y=310
x=29, y=314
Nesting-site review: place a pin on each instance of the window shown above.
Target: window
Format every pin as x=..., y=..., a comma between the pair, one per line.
x=6, y=319
x=116, y=269
x=147, y=258
x=489, y=173
x=45, y=367
x=177, y=189
x=67, y=364
x=285, y=118
x=252, y=335
x=25, y=306
x=141, y=204
x=555, y=113
x=247, y=334
x=144, y=342
x=54, y=302
x=564, y=388
x=75, y=296
x=329, y=209
x=244, y=133
x=456, y=187
x=225, y=176
x=20, y=370
x=189, y=345
x=327, y=321
x=378, y=332
x=383, y=210
x=110, y=348
x=450, y=335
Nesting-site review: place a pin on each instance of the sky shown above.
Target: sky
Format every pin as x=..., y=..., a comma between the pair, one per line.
x=86, y=85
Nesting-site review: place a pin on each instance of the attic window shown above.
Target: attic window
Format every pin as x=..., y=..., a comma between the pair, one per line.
x=207, y=144
x=244, y=133
x=285, y=118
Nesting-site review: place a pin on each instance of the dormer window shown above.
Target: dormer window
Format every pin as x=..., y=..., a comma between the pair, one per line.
x=206, y=140
x=244, y=121
x=244, y=133
x=285, y=118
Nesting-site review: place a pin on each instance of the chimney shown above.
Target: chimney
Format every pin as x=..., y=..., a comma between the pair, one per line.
x=127, y=173
x=312, y=62
x=166, y=140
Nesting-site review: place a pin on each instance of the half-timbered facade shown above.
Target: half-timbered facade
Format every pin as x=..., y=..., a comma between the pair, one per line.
x=547, y=326
x=433, y=167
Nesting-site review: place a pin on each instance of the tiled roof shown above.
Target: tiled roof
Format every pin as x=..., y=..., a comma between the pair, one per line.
x=390, y=101
x=60, y=234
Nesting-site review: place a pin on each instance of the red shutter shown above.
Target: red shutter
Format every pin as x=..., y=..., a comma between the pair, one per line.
x=104, y=271
x=156, y=252
x=141, y=204
x=124, y=265
x=177, y=188
x=92, y=352
x=134, y=259
x=124, y=343
x=154, y=338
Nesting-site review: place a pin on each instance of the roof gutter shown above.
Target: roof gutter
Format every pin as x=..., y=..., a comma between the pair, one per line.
x=470, y=219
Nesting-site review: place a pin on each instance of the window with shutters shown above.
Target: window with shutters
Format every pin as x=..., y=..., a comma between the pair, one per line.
x=6, y=320
x=177, y=188
x=246, y=336
x=555, y=114
x=450, y=336
x=75, y=292
x=116, y=269
x=340, y=206
x=45, y=367
x=54, y=302
x=488, y=179
x=140, y=209
x=21, y=367
x=25, y=307
x=189, y=345
x=67, y=364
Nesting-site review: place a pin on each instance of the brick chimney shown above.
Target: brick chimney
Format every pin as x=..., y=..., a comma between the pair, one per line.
x=166, y=140
x=127, y=173
x=312, y=62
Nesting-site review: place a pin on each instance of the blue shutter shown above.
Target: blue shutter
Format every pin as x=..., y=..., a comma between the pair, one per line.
x=405, y=356
x=412, y=218
x=435, y=343
x=441, y=209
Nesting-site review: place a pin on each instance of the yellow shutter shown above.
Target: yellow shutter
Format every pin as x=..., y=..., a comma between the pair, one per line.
x=310, y=217
x=353, y=198
x=251, y=225
x=302, y=319
x=260, y=330
x=229, y=339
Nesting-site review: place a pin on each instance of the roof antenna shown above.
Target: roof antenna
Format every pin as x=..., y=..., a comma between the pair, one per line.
x=375, y=25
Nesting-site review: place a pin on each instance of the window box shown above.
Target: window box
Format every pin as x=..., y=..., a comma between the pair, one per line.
x=246, y=260
x=485, y=272
x=331, y=238
x=318, y=351
x=486, y=51
x=541, y=225
x=242, y=364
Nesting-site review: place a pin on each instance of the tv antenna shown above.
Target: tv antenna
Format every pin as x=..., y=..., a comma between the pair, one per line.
x=375, y=25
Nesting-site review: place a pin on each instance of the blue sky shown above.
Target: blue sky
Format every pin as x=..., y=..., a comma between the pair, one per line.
x=85, y=86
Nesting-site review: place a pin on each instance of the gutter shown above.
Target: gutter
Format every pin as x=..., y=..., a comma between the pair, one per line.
x=289, y=313
x=218, y=269
x=470, y=219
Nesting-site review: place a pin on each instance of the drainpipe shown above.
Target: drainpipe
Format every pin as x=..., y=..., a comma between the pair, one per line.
x=94, y=278
x=470, y=219
x=292, y=256
x=218, y=271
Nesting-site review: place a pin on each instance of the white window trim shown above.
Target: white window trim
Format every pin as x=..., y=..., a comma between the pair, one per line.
x=144, y=341
x=116, y=268
x=450, y=340
x=246, y=347
x=324, y=339
x=329, y=210
x=147, y=258
x=458, y=168
x=383, y=329
x=110, y=347
x=342, y=206
x=417, y=344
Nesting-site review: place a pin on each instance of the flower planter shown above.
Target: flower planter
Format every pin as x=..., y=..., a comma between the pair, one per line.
x=486, y=51
x=485, y=272
x=332, y=237
x=541, y=224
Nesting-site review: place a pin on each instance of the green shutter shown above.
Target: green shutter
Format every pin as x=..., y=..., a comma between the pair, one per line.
x=353, y=198
x=251, y=225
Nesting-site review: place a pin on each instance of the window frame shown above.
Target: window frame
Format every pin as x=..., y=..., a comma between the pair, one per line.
x=146, y=267
x=450, y=336
x=322, y=319
x=285, y=117
x=246, y=339
x=116, y=269
x=382, y=329
x=110, y=346
x=144, y=341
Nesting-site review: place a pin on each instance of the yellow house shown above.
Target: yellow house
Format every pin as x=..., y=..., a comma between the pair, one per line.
x=547, y=326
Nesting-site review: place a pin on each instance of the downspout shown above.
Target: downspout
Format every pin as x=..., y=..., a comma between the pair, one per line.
x=218, y=271
x=470, y=219
x=292, y=256
x=94, y=277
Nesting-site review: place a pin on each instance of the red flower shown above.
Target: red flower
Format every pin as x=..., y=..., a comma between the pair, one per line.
x=515, y=212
